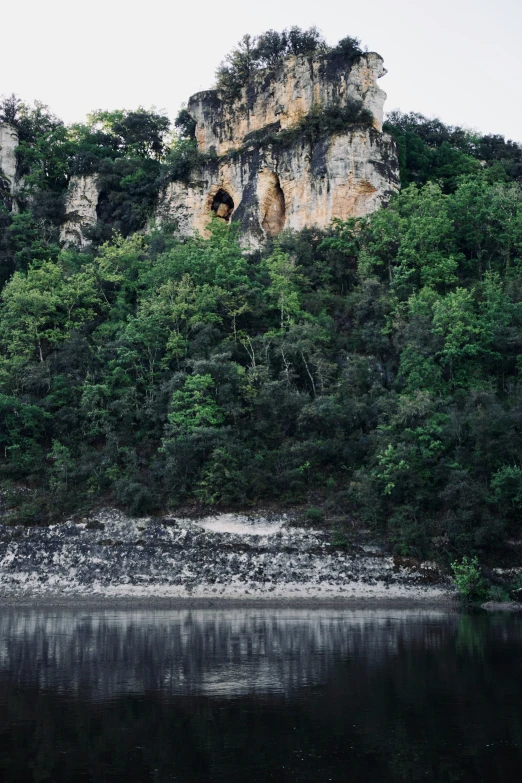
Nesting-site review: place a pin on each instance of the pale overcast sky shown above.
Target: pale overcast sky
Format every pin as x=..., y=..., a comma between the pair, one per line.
x=460, y=60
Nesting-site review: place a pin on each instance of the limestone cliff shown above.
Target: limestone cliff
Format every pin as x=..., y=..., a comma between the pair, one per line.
x=80, y=210
x=280, y=99
x=269, y=163
x=271, y=188
x=301, y=144
x=9, y=184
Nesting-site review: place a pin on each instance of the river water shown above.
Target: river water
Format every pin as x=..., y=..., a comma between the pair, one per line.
x=257, y=694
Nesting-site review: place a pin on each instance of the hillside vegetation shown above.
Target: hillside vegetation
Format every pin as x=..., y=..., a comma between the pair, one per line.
x=372, y=370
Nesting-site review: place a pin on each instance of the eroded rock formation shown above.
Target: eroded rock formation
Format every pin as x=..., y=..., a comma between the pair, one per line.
x=80, y=210
x=279, y=100
x=9, y=184
x=271, y=188
x=299, y=145
x=223, y=556
x=269, y=162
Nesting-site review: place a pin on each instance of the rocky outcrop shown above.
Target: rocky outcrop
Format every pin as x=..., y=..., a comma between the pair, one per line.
x=270, y=188
x=9, y=184
x=80, y=210
x=297, y=148
x=300, y=145
x=280, y=99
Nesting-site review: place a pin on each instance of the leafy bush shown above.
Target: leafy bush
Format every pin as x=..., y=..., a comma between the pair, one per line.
x=468, y=578
x=497, y=593
x=506, y=484
x=348, y=48
x=314, y=514
x=186, y=124
x=181, y=160
x=339, y=538
x=9, y=109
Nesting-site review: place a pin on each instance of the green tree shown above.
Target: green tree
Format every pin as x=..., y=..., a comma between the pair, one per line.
x=193, y=405
x=40, y=309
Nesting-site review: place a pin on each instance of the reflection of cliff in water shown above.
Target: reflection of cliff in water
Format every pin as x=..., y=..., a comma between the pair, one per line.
x=230, y=652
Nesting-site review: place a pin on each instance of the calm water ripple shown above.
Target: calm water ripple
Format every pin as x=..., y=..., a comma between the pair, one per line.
x=259, y=695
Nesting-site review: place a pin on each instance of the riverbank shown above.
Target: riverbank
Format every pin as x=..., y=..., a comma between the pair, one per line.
x=228, y=558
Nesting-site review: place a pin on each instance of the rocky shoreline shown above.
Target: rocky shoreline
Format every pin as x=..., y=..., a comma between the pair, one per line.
x=228, y=557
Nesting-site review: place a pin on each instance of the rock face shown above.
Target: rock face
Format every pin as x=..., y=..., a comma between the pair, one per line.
x=226, y=556
x=9, y=184
x=271, y=188
x=80, y=210
x=265, y=164
x=280, y=99
x=299, y=146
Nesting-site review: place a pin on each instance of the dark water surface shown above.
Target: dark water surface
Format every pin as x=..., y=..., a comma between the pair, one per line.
x=259, y=695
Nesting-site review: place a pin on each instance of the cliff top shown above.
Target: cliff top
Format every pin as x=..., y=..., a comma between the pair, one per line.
x=254, y=92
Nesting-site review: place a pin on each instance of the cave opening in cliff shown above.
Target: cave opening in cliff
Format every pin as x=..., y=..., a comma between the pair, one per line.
x=103, y=207
x=271, y=202
x=222, y=205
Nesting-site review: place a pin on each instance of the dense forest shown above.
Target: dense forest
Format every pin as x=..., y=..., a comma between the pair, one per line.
x=370, y=374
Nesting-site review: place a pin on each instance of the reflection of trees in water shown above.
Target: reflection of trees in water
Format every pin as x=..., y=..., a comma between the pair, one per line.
x=471, y=633
x=400, y=700
x=215, y=652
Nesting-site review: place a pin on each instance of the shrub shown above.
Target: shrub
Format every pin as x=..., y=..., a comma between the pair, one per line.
x=181, y=160
x=498, y=593
x=186, y=124
x=347, y=48
x=314, y=514
x=506, y=484
x=134, y=496
x=468, y=578
x=318, y=122
x=339, y=538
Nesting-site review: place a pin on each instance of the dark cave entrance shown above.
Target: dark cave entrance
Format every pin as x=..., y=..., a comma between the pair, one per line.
x=222, y=205
x=103, y=207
